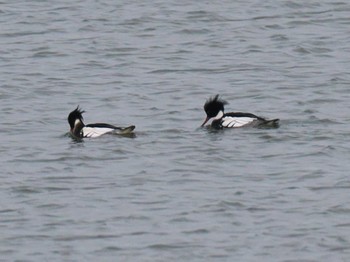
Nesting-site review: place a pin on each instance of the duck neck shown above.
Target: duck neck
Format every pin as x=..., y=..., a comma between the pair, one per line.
x=78, y=126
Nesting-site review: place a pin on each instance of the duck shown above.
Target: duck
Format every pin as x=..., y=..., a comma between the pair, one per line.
x=214, y=108
x=79, y=130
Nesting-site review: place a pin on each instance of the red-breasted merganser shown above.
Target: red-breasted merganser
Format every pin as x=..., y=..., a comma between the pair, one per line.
x=80, y=130
x=214, y=108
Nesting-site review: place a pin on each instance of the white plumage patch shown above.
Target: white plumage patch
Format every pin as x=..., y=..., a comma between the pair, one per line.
x=96, y=131
x=229, y=121
x=219, y=115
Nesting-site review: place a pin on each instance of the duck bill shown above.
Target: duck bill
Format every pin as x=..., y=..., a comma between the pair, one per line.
x=205, y=121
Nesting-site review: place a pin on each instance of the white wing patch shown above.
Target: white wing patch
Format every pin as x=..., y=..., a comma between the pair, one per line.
x=96, y=131
x=229, y=121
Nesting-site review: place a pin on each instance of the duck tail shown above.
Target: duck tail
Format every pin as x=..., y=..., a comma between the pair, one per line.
x=273, y=123
x=126, y=130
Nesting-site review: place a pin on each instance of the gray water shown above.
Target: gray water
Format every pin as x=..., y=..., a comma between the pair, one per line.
x=175, y=192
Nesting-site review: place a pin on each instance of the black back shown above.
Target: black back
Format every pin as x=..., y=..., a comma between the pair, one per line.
x=103, y=125
x=240, y=114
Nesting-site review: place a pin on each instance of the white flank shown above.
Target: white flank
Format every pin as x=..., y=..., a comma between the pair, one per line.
x=96, y=131
x=229, y=121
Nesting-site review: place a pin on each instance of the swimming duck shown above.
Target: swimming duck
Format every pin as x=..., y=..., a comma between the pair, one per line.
x=214, y=108
x=80, y=130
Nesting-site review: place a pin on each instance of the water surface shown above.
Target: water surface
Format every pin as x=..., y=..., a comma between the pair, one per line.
x=175, y=192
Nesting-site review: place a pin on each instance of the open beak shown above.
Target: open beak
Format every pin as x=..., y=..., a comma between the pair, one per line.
x=205, y=121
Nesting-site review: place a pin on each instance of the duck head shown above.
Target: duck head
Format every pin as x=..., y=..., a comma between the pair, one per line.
x=75, y=120
x=214, y=108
